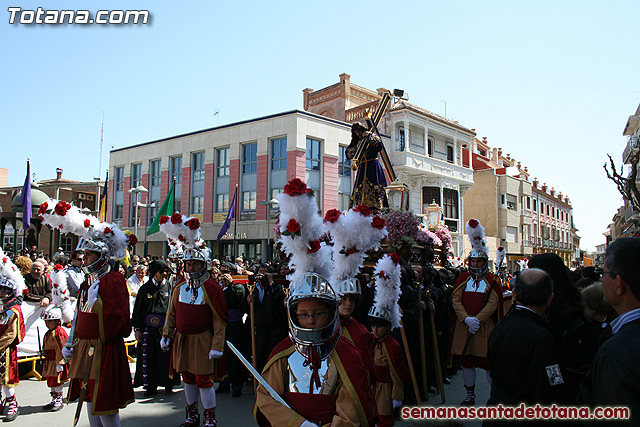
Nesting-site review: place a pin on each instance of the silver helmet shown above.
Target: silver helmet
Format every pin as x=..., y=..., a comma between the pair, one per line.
x=349, y=286
x=8, y=285
x=52, y=312
x=380, y=313
x=101, y=248
x=194, y=254
x=478, y=253
x=312, y=286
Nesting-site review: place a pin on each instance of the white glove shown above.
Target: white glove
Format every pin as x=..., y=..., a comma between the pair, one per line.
x=507, y=294
x=92, y=293
x=308, y=424
x=165, y=342
x=215, y=354
x=67, y=352
x=59, y=368
x=397, y=404
x=473, y=324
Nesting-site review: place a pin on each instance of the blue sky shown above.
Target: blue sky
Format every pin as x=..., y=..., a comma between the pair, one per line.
x=552, y=83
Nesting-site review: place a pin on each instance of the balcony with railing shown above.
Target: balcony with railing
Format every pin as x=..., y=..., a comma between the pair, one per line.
x=630, y=149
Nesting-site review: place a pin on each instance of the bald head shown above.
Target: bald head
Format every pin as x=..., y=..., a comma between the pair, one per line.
x=533, y=288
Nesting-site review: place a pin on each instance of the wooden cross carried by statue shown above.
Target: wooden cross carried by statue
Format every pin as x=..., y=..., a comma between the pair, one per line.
x=372, y=123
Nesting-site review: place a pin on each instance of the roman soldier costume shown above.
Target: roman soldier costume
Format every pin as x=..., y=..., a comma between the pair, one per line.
x=12, y=332
x=99, y=369
x=319, y=373
x=196, y=322
x=477, y=303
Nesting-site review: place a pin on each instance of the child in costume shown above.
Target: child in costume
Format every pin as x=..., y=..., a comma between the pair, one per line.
x=390, y=367
x=12, y=332
x=55, y=370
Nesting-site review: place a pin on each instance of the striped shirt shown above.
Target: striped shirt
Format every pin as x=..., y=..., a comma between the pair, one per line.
x=623, y=319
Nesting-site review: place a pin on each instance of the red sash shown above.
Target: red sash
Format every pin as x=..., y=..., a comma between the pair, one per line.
x=383, y=375
x=87, y=325
x=193, y=318
x=315, y=407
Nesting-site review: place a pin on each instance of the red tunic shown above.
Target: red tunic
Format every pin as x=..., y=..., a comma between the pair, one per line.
x=52, y=345
x=12, y=332
x=104, y=328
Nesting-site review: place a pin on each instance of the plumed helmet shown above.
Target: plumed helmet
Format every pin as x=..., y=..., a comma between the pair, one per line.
x=52, y=312
x=312, y=286
x=183, y=234
x=10, y=278
x=479, y=249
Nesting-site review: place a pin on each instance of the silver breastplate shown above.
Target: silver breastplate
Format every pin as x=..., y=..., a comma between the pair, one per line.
x=188, y=296
x=300, y=375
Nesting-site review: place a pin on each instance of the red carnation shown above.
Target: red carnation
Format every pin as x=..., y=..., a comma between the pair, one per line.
x=62, y=207
x=293, y=227
x=4, y=260
x=107, y=230
x=363, y=209
x=181, y=238
x=332, y=215
x=57, y=267
x=176, y=218
x=133, y=240
x=378, y=222
x=25, y=291
x=87, y=223
x=314, y=246
x=193, y=224
x=350, y=251
x=395, y=258
x=55, y=285
x=500, y=249
x=296, y=187
x=473, y=223
x=43, y=209
x=164, y=219
x=383, y=275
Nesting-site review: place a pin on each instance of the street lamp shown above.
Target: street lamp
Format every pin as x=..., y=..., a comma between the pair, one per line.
x=398, y=195
x=434, y=215
x=146, y=222
x=137, y=190
x=268, y=204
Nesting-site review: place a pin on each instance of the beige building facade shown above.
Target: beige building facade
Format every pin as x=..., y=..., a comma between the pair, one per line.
x=425, y=149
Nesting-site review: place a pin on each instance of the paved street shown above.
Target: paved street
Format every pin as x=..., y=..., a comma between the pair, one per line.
x=168, y=410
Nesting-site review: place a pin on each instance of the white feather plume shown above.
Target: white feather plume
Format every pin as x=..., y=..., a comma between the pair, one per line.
x=304, y=210
x=352, y=235
x=82, y=225
x=475, y=232
x=60, y=294
x=501, y=252
x=388, y=290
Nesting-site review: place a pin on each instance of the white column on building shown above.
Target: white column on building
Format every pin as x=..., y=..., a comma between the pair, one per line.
x=455, y=150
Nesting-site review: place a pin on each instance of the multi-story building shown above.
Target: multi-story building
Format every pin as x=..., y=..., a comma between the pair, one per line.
x=553, y=228
x=500, y=198
x=425, y=149
x=256, y=156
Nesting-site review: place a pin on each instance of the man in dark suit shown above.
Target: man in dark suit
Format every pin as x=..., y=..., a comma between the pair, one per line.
x=614, y=378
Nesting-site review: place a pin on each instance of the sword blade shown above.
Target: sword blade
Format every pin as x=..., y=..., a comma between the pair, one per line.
x=257, y=376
